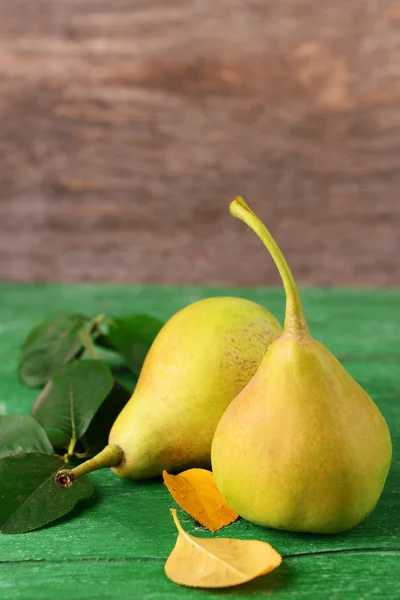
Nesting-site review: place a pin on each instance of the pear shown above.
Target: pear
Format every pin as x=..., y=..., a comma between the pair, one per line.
x=302, y=447
x=200, y=360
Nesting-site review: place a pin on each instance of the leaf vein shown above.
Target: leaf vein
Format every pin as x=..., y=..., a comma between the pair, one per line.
x=208, y=553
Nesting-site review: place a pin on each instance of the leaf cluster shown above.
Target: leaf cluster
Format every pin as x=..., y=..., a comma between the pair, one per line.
x=72, y=358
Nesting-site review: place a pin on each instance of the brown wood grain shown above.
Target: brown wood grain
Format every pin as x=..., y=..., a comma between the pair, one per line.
x=126, y=128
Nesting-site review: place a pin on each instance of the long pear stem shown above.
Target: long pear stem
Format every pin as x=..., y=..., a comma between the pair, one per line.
x=110, y=456
x=295, y=322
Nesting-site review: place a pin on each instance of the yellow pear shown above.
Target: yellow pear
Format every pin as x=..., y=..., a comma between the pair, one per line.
x=302, y=447
x=200, y=360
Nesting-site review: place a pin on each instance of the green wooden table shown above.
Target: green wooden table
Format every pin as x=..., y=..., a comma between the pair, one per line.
x=115, y=544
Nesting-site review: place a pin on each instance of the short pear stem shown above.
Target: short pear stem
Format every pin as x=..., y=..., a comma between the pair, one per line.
x=111, y=456
x=295, y=322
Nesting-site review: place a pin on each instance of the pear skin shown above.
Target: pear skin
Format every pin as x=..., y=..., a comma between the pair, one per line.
x=302, y=447
x=200, y=360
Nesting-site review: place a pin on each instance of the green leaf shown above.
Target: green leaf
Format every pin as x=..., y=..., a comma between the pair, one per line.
x=131, y=337
x=29, y=496
x=21, y=433
x=96, y=436
x=50, y=345
x=70, y=400
x=58, y=439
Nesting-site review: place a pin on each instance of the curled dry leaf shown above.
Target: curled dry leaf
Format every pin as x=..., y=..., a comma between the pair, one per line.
x=196, y=492
x=217, y=563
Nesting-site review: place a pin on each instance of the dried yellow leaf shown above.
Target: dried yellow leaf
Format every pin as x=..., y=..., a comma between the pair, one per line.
x=217, y=563
x=196, y=492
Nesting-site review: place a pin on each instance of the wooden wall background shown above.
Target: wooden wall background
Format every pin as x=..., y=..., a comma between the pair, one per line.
x=127, y=126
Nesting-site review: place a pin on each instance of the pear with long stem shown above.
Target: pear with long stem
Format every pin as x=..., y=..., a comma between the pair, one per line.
x=302, y=447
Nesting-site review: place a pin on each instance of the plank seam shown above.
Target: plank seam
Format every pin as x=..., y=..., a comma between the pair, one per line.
x=162, y=560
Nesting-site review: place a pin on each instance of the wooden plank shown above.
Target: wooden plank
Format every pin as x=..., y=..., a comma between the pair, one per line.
x=115, y=544
x=127, y=127
x=354, y=576
x=138, y=513
x=354, y=323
